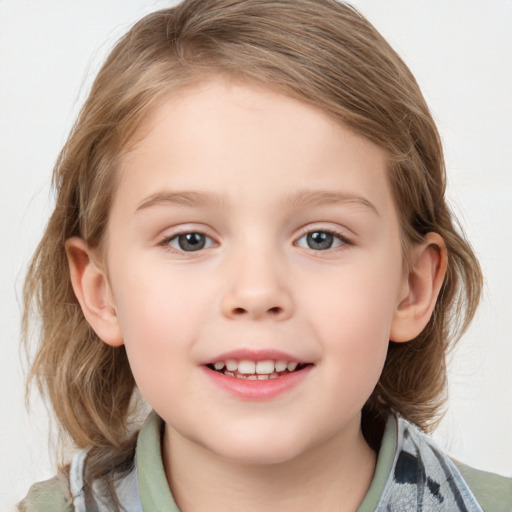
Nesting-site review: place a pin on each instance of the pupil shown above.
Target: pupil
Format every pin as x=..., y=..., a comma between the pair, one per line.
x=320, y=240
x=191, y=241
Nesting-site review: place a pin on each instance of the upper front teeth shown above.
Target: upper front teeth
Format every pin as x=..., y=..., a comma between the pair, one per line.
x=260, y=367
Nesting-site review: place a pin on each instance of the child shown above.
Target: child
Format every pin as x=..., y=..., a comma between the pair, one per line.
x=251, y=230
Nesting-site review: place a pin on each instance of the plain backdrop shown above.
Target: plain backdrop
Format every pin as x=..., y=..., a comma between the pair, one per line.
x=460, y=52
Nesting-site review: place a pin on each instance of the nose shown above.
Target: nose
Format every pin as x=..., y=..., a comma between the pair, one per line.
x=257, y=289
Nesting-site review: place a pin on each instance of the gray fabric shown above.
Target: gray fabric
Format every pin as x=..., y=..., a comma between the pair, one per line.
x=420, y=478
x=84, y=500
x=423, y=479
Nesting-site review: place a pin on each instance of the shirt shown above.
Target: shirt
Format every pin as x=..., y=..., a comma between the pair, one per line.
x=411, y=474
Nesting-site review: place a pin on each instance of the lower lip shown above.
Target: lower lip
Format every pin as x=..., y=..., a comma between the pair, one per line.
x=258, y=389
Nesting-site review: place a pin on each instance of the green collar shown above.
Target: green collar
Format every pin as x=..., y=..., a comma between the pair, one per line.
x=383, y=468
x=155, y=494
x=154, y=491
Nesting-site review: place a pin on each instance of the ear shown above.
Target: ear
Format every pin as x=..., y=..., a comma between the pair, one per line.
x=92, y=289
x=420, y=289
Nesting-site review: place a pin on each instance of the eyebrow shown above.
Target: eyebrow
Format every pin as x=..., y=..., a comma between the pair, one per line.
x=182, y=198
x=300, y=199
x=311, y=198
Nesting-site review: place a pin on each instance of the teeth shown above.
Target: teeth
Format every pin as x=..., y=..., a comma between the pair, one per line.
x=281, y=366
x=255, y=370
x=246, y=367
x=264, y=367
x=232, y=365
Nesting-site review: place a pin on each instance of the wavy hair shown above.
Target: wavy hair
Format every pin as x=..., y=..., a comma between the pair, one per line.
x=321, y=52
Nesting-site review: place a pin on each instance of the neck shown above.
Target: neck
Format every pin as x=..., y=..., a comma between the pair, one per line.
x=333, y=476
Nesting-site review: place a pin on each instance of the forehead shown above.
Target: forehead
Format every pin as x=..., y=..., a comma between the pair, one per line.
x=230, y=138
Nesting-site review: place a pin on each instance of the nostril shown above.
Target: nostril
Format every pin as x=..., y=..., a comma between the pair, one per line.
x=276, y=310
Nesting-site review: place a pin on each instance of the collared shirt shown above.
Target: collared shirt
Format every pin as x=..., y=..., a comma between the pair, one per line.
x=411, y=474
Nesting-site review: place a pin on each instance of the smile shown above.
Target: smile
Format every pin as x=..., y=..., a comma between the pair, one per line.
x=256, y=370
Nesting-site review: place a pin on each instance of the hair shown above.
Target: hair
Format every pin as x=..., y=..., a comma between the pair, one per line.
x=321, y=52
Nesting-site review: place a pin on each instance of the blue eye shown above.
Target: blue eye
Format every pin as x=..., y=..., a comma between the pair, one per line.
x=189, y=242
x=321, y=240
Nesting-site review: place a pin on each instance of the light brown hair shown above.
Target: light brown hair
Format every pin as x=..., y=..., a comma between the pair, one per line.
x=321, y=52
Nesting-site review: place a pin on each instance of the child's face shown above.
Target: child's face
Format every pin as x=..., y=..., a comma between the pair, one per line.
x=293, y=253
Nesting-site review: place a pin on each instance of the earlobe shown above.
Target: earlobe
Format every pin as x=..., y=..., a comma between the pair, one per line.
x=421, y=289
x=92, y=290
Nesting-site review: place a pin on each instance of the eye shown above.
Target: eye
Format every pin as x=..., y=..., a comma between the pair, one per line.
x=189, y=242
x=321, y=240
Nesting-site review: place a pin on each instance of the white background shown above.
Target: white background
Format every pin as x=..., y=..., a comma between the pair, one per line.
x=461, y=54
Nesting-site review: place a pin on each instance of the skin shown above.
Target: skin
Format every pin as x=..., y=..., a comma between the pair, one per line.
x=268, y=166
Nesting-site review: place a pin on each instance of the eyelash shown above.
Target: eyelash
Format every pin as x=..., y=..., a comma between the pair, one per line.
x=340, y=236
x=166, y=242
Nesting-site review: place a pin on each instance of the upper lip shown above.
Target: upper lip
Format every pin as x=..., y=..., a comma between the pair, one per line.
x=255, y=355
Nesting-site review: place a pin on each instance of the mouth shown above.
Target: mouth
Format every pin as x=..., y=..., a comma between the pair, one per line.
x=256, y=370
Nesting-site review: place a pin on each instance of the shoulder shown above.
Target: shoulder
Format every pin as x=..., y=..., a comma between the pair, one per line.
x=493, y=492
x=49, y=496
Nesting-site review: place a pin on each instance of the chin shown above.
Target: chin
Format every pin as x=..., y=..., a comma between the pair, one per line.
x=259, y=450
x=260, y=457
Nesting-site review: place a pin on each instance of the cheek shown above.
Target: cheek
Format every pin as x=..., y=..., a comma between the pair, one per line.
x=352, y=316
x=358, y=302
x=355, y=337
x=158, y=319
x=354, y=346
x=154, y=304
